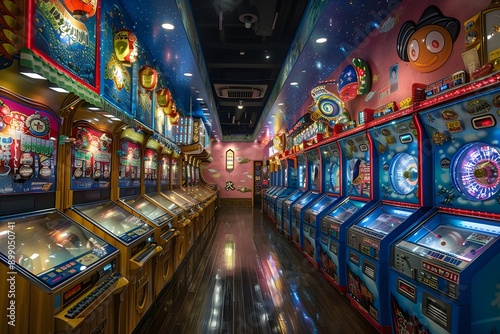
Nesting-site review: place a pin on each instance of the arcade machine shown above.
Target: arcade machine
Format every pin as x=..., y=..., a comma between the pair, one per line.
x=181, y=221
x=290, y=183
x=187, y=204
x=305, y=201
x=160, y=219
x=56, y=275
x=286, y=213
x=330, y=176
x=444, y=273
x=275, y=184
x=201, y=197
x=93, y=161
x=397, y=167
x=281, y=176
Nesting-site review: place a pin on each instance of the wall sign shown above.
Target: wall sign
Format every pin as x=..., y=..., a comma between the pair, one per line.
x=229, y=160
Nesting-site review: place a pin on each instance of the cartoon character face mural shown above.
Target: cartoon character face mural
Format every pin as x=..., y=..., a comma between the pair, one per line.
x=427, y=45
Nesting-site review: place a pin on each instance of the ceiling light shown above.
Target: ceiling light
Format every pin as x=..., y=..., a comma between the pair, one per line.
x=281, y=103
x=187, y=74
x=32, y=75
x=240, y=106
x=294, y=83
x=57, y=88
x=168, y=26
x=321, y=40
x=242, y=53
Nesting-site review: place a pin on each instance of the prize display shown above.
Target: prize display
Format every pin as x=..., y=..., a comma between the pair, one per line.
x=28, y=149
x=90, y=158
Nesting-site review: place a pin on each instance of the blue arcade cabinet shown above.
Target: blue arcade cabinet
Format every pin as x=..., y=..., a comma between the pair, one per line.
x=398, y=187
x=290, y=181
x=330, y=183
x=313, y=179
x=289, y=201
x=445, y=275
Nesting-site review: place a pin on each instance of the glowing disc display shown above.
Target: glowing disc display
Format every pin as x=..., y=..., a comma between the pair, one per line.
x=474, y=171
x=403, y=173
x=335, y=177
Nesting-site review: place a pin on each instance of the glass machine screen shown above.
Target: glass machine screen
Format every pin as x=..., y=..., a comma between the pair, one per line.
x=114, y=218
x=385, y=218
x=149, y=210
x=322, y=204
x=344, y=211
x=463, y=237
x=51, y=246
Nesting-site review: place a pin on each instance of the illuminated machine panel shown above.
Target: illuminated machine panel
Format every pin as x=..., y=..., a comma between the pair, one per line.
x=298, y=210
x=445, y=266
x=287, y=211
x=183, y=223
x=311, y=225
x=164, y=235
x=134, y=238
x=61, y=273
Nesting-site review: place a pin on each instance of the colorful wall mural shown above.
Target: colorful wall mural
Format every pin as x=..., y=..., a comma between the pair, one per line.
x=386, y=66
x=238, y=182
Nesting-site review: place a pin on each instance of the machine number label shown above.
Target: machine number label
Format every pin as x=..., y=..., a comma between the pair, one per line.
x=441, y=272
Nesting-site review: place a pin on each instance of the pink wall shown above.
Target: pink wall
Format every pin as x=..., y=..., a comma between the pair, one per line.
x=241, y=176
x=379, y=51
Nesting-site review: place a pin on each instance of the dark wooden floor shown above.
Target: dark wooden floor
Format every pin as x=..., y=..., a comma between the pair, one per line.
x=251, y=279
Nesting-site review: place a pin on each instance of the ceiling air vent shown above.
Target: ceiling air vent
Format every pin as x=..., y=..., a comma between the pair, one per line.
x=240, y=91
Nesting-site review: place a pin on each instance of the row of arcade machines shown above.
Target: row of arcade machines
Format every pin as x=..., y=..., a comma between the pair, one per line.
x=94, y=221
x=403, y=217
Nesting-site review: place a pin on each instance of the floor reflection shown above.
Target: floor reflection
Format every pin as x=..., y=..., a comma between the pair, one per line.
x=251, y=279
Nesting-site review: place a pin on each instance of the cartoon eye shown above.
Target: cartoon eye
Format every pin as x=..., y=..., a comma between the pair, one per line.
x=434, y=42
x=413, y=50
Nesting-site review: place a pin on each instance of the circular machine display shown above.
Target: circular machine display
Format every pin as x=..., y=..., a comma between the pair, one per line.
x=334, y=176
x=403, y=173
x=474, y=171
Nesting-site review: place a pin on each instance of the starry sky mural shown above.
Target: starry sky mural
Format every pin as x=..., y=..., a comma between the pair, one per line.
x=345, y=24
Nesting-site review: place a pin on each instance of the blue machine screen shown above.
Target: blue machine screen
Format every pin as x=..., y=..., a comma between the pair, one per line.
x=346, y=210
x=295, y=196
x=464, y=237
x=307, y=199
x=322, y=204
x=385, y=218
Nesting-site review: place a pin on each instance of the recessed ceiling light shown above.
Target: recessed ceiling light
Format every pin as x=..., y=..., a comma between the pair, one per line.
x=58, y=89
x=33, y=75
x=242, y=53
x=168, y=26
x=321, y=40
x=294, y=83
x=187, y=74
